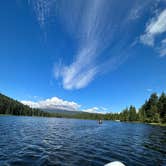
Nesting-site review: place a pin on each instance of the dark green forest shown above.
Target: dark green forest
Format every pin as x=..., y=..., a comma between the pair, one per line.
x=14, y=107
x=10, y=106
x=152, y=111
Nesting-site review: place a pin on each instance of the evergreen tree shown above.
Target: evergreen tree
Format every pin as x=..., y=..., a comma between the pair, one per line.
x=132, y=114
x=142, y=115
x=162, y=107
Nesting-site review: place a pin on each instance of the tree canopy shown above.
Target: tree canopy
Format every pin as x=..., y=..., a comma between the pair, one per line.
x=153, y=110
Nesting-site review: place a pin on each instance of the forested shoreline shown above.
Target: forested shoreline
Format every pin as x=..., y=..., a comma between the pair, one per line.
x=152, y=111
x=9, y=106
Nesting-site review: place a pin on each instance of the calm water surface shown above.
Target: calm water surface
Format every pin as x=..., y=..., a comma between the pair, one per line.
x=33, y=141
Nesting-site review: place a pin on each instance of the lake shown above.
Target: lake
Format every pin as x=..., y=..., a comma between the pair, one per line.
x=33, y=141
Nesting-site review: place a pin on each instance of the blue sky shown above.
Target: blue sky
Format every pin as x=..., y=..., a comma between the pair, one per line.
x=91, y=55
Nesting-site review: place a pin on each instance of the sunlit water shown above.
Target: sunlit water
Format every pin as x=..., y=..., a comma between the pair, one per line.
x=37, y=141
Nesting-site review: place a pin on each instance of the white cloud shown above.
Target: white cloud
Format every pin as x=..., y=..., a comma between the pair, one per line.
x=53, y=103
x=100, y=110
x=136, y=12
x=162, y=48
x=94, y=26
x=76, y=76
x=149, y=90
x=43, y=9
x=147, y=39
x=93, y=33
x=83, y=69
x=156, y=26
x=60, y=104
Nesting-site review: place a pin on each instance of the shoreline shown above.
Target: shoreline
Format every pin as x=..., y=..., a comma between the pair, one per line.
x=158, y=124
x=154, y=124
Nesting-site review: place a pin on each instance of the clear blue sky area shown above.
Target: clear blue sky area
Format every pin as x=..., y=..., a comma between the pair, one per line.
x=99, y=54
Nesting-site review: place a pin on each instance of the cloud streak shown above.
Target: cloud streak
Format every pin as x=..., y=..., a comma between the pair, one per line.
x=155, y=27
x=43, y=10
x=90, y=34
x=89, y=22
x=162, y=48
x=95, y=25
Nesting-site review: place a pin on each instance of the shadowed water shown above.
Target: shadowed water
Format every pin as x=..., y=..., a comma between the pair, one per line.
x=31, y=141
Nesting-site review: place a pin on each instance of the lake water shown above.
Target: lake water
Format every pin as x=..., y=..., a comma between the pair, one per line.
x=33, y=141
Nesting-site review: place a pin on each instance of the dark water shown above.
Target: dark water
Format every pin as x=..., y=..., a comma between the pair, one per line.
x=51, y=141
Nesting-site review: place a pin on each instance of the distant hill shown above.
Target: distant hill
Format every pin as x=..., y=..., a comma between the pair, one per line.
x=62, y=111
x=10, y=106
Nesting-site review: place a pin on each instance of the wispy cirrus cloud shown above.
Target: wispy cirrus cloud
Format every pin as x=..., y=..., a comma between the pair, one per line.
x=95, y=29
x=43, y=10
x=91, y=34
x=137, y=10
x=78, y=74
x=95, y=25
x=155, y=27
x=162, y=48
x=135, y=13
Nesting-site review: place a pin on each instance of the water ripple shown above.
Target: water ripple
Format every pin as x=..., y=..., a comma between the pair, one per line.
x=27, y=141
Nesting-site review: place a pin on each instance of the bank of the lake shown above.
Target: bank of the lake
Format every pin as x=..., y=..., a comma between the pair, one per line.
x=153, y=111
x=158, y=124
x=155, y=124
x=71, y=117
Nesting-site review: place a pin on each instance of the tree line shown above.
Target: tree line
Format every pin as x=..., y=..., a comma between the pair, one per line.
x=14, y=107
x=10, y=106
x=152, y=111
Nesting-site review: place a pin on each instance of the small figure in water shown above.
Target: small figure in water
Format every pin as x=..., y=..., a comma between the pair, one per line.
x=100, y=121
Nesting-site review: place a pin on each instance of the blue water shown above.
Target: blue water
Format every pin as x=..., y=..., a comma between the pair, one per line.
x=35, y=141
